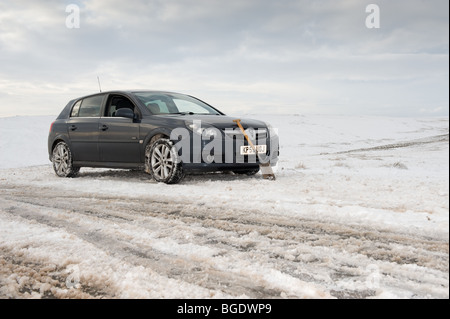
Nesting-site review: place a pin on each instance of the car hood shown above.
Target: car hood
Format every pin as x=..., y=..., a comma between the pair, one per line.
x=221, y=122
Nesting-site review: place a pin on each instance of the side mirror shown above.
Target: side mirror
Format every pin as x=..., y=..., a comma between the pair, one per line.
x=128, y=113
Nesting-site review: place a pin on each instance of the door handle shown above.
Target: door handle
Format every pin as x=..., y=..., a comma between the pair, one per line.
x=73, y=127
x=104, y=127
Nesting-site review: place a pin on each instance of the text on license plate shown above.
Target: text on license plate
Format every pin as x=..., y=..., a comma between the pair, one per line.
x=248, y=150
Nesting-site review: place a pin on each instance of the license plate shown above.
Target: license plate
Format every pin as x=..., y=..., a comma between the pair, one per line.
x=248, y=150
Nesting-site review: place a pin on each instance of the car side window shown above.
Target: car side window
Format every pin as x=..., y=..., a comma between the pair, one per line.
x=118, y=102
x=89, y=107
x=75, y=109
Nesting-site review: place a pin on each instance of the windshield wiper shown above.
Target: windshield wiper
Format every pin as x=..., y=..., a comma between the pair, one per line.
x=183, y=113
x=192, y=113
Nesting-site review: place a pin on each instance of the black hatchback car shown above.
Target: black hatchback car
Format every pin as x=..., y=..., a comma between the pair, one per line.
x=166, y=134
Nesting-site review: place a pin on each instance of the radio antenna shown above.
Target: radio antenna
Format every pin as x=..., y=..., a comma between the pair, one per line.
x=99, y=86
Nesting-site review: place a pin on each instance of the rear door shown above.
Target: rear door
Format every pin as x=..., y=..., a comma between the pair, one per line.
x=83, y=128
x=118, y=136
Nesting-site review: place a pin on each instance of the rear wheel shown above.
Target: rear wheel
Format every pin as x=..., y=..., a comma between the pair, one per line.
x=63, y=161
x=163, y=162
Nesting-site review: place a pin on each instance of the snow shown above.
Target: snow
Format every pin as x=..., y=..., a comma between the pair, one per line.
x=359, y=210
x=23, y=140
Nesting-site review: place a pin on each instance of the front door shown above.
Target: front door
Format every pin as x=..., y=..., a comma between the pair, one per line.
x=118, y=136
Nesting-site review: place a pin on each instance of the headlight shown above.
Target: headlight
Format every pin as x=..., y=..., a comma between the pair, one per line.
x=206, y=133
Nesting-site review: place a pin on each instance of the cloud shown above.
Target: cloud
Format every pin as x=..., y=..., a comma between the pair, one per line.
x=299, y=55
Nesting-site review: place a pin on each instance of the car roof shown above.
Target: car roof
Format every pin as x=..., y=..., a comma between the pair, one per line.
x=135, y=91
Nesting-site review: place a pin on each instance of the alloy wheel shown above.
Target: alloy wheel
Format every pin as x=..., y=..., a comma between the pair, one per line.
x=162, y=161
x=61, y=159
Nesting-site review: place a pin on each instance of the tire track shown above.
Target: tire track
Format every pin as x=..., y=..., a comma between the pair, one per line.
x=324, y=254
x=420, y=141
x=274, y=227
x=186, y=270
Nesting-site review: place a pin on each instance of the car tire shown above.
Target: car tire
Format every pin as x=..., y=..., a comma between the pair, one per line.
x=62, y=160
x=249, y=172
x=163, y=162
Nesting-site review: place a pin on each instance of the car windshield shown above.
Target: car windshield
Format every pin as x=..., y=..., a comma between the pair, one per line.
x=172, y=103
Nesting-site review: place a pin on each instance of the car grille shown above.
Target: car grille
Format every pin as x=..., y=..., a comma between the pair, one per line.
x=259, y=134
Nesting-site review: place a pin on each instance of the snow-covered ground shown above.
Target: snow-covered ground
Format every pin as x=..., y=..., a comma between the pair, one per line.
x=360, y=209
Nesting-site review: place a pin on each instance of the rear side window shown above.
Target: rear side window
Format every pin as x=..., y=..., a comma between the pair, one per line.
x=88, y=107
x=75, y=109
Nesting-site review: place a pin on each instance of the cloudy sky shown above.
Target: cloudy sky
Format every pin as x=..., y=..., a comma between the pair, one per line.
x=242, y=56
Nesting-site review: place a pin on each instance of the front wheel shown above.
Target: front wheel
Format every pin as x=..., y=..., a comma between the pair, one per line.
x=163, y=162
x=63, y=161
